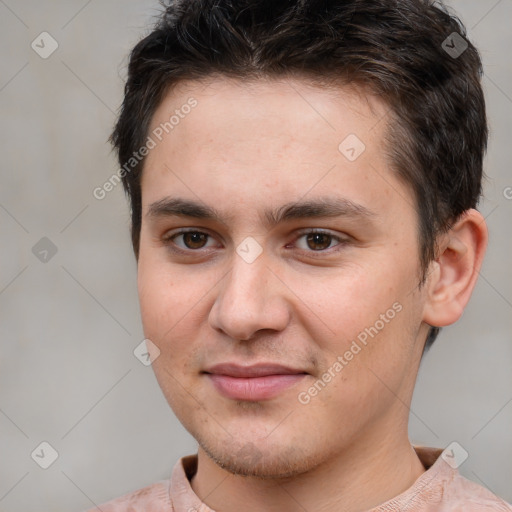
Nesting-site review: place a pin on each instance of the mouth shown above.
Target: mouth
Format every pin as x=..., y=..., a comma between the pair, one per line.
x=253, y=383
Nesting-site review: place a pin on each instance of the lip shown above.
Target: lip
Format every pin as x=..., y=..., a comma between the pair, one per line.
x=254, y=370
x=253, y=383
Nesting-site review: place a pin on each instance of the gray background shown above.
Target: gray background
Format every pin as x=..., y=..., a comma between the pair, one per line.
x=69, y=326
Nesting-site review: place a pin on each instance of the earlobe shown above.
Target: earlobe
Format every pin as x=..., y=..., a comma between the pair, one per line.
x=454, y=273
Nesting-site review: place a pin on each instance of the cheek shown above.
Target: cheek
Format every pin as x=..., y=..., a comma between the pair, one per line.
x=160, y=298
x=169, y=318
x=363, y=373
x=367, y=315
x=348, y=301
x=164, y=292
x=173, y=306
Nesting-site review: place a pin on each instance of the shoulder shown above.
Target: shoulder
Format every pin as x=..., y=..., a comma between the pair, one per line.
x=468, y=496
x=159, y=497
x=152, y=498
x=441, y=488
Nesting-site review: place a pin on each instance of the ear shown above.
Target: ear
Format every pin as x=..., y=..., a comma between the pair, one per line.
x=454, y=272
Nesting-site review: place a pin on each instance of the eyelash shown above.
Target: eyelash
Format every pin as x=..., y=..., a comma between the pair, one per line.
x=168, y=241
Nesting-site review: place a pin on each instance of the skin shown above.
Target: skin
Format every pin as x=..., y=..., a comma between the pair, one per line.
x=249, y=147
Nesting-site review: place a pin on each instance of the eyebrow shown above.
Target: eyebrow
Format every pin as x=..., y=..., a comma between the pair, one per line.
x=320, y=207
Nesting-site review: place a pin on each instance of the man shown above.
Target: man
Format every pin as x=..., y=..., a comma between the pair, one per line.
x=303, y=177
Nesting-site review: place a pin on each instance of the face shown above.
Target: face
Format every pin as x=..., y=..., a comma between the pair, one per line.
x=278, y=273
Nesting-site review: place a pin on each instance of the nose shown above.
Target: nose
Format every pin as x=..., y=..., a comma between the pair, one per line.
x=251, y=298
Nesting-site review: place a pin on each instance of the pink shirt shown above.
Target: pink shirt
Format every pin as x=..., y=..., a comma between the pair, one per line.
x=440, y=489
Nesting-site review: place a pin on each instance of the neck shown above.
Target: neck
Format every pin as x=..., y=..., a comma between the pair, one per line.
x=363, y=476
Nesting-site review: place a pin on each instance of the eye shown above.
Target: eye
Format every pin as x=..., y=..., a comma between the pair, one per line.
x=309, y=241
x=318, y=241
x=190, y=240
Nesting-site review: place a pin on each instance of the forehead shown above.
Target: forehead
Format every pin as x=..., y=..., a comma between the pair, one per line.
x=274, y=99
x=268, y=140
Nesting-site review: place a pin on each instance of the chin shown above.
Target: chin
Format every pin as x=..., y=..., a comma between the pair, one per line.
x=258, y=460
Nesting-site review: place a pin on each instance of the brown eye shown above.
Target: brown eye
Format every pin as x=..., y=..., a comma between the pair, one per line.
x=189, y=240
x=319, y=241
x=316, y=241
x=194, y=239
